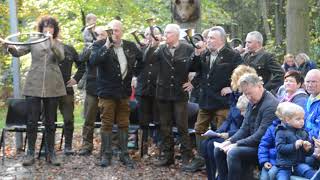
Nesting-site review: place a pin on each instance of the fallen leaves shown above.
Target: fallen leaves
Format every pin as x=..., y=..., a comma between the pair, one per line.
x=80, y=167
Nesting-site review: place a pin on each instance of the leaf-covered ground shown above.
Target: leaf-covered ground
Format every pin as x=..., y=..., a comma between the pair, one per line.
x=79, y=167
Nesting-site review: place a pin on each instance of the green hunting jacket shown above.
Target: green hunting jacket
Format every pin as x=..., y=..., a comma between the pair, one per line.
x=44, y=77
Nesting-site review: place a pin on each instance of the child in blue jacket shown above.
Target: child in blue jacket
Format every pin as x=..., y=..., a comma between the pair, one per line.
x=292, y=143
x=267, y=153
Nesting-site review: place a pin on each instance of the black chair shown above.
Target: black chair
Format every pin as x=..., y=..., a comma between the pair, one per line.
x=16, y=120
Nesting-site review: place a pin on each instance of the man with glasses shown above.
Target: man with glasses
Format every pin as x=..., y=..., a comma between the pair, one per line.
x=312, y=123
x=312, y=116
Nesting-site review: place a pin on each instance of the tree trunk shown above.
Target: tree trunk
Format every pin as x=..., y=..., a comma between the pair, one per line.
x=297, y=29
x=264, y=15
x=279, y=22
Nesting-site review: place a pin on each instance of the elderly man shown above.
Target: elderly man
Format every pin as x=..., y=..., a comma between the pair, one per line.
x=215, y=67
x=174, y=59
x=312, y=82
x=312, y=116
x=117, y=61
x=263, y=62
x=243, y=146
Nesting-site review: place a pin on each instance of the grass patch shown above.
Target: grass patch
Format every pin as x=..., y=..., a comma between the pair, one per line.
x=3, y=113
x=78, y=116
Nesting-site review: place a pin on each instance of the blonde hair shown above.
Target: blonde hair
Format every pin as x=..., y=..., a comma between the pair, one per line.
x=242, y=102
x=288, y=110
x=289, y=56
x=237, y=73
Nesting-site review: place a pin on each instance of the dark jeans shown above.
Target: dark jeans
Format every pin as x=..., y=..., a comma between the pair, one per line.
x=177, y=110
x=302, y=170
x=207, y=150
x=316, y=176
x=231, y=166
x=90, y=113
x=66, y=107
x=313, y=162
x=34, y=106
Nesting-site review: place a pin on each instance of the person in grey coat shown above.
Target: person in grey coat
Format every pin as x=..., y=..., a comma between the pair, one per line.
x=44, y=85
x=242, y=147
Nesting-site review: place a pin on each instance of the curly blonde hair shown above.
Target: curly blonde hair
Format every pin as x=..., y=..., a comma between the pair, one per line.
x=238, y=72
x=288, y=110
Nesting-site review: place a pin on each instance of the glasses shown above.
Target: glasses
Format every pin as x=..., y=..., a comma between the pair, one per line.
x=311, y=82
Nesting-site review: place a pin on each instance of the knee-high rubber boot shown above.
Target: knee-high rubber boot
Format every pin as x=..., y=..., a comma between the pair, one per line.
x=106, y=151
x=50, y=141
x=124, y=155
x=68, y=142
x=198, y=161
x=29, y=158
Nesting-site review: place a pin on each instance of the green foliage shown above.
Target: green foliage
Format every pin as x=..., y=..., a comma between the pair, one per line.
x=238, y=16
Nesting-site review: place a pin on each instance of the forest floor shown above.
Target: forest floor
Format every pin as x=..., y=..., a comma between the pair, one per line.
x=84, y=167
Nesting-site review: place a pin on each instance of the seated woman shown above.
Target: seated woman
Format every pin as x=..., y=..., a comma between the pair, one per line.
x=304, y=63
x=292, y=90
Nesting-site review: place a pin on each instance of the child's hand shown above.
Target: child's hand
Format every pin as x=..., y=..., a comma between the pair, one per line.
x=267, y=165
x=307, y=145
x=299, y=143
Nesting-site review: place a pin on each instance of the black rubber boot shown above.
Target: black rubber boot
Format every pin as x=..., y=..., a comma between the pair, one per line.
x=50, y=141
x=106, y=151
x=198, y=161
x=32, y=137
x=166, y=160
x=68, y=142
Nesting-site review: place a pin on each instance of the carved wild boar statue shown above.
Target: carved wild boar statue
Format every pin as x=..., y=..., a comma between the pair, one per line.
x=185, y=11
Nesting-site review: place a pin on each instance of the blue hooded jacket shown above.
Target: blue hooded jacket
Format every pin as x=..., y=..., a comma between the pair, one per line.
x=267, y=148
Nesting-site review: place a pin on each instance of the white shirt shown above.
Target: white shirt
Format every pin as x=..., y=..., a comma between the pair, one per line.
x=213, y=57
x=122, y=60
